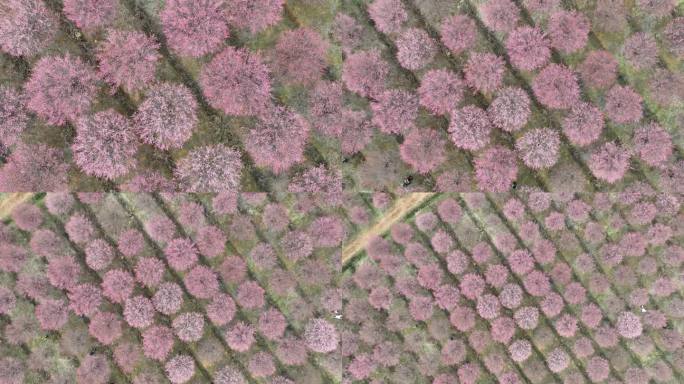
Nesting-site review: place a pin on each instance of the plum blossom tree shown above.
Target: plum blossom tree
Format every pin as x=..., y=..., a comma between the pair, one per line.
x=583, y=125
x=189, y=326
x=325, y=105
x=556, y=87
x=254, y=15
x=484, y=71
x=510, y=109
x=440, y=91
x=180, y=369
x=52, y=314
x=538, y=148
x=250, y=295
x=527, y=317
x=167, y=117
x=139, y=312
x=500, y=15
x=365, y=73
x=278, y=140
x=502, y=329
x=541, y=6
x=470, y=128
x=423, y=149
x=157, y=342
x=105, y=327
x=105, y=145
x=117, y=285
x=458, y=33
x=272, y=324
x=653, y=144
x=609, y=162
x=528, y=48
x=34, y=167
x=656, y=8
x=94, y=369
x=296, y=245
x=496, y=169
x=211, y=241
x=62, y=272
x=211, y=168
x=27, y=217
x=26, y=27
x=629, y=325
x=181, y=254
x=99, y=254
x=240, y=337
x=666, y=86
x=13, y=115
x=202, y=282
x=149, y=271
x=91, y=14
x=61, y=88
x=300, y=56
x=327, y=231
x=237, y=82
x=568, y=31
x=558, y=360
x=261, y=365
x=623, y=105
x=388, y=15
x=598, y=369
x=44, y=242
x=321, y=336
x=194, y=28
x=85, y=299
x=128, y=59
x=348, y=32
x=599, y=69
x=415, y=49
x=640, y=50
x=472, y=285
x=520, y=350
x=395, y=111
x=673, y=34
x=355, y=130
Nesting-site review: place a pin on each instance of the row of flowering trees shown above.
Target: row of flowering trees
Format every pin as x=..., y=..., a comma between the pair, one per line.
x=424, y=86
x=526, y=287
x=143, y=288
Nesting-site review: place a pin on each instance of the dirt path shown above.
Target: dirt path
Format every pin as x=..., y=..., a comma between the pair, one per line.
x=400, y=208
x=10, y=201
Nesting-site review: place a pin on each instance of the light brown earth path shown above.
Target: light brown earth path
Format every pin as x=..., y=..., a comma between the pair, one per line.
x=10, y=200
x=399, y=210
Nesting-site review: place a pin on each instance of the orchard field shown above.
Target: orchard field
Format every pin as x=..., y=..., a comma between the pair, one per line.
x=445, y=288
x=308, y=95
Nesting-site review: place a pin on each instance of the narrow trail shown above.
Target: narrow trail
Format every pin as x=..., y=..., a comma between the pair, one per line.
x=11, y=200
x=399, y=210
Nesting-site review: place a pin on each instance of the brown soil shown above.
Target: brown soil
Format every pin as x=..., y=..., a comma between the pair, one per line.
x=400, y=208
x=11, y=200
